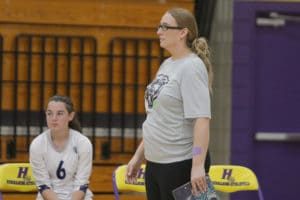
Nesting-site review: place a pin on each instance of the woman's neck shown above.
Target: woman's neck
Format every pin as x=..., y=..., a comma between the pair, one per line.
x=180, y=56
x=179, y=53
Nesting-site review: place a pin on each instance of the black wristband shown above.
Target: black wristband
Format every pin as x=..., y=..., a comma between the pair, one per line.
x=83, y=188
x=41, y=188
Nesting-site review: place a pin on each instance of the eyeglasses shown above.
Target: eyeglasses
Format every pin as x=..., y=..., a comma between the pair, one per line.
x=165, y=27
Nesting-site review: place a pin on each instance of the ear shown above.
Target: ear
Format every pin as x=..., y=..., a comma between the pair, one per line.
x=71, y=116
x=183, y=33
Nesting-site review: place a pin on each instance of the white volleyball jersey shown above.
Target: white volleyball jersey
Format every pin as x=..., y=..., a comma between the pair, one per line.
x=64, y=171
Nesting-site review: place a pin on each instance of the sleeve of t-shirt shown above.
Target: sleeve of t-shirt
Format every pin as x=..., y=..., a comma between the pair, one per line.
x=37, y=162
x=195, y=91
x=85, y=162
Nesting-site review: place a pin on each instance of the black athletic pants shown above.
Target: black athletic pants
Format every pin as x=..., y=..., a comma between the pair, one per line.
x=161, y=179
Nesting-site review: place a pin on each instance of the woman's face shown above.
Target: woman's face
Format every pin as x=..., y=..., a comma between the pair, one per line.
x=170, y=37
x=57, y=116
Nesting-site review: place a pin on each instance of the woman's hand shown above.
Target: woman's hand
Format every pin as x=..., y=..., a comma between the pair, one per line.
x=198, y=180
x=132, y=170
x=134, y=164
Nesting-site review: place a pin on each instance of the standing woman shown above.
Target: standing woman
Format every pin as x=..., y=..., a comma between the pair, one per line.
x=176, y=130
x=61, y=157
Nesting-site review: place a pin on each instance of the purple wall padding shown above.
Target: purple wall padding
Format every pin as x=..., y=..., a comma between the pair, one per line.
x=276, y=164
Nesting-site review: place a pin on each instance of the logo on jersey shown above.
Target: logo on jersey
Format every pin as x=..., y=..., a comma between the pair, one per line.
x=154, y=88
x=75, y=149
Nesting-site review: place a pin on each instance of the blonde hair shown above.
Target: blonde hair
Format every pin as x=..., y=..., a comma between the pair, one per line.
x=198, y=45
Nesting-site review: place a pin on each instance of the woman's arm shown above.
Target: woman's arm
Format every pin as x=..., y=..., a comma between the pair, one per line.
x=135, y=163
x=200, y=146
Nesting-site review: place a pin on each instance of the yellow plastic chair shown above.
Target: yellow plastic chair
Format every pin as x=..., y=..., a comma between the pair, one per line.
x=226, y=178
x=16, y=177
x=120, y=184
x=234, y=178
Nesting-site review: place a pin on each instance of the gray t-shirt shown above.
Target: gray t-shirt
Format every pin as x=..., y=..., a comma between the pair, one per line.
x=178, y=94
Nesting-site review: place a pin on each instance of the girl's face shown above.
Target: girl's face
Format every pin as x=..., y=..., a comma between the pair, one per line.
x=57, y=116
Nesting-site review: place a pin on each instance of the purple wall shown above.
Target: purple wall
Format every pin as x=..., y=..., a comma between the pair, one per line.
x=266, y=98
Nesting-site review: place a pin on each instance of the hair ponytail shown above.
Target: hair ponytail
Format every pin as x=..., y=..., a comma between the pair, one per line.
x=200, y=47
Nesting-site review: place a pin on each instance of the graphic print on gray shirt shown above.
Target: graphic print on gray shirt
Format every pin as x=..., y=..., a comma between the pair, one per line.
x=154, y=88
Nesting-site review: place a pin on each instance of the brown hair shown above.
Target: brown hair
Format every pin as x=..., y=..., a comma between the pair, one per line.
x=198, y=45
x=74, y=124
